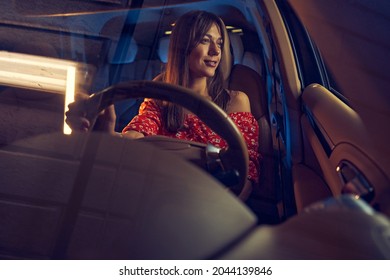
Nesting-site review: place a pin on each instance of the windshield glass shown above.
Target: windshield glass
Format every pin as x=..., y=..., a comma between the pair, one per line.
x=61, y=48
x=185, y=157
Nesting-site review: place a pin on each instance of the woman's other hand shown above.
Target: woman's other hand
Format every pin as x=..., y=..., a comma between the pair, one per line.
x=76, y=117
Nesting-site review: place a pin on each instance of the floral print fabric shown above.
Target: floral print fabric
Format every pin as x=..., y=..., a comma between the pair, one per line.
x=149, y=122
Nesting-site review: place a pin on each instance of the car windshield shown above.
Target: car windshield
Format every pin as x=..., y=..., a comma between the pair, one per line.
x=288, y=112
x=62, y=48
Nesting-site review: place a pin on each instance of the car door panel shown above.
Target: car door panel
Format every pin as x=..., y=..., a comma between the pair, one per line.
x=337, y=137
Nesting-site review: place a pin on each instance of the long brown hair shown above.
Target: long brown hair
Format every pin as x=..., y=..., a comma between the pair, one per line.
x=188, y=31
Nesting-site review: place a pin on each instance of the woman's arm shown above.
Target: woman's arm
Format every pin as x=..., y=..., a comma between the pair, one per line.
x=147, y=122
x=76, y=116
x=249, y=128
x=132, y=134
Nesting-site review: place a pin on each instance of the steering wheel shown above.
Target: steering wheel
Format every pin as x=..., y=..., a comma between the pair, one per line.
x=235, y=156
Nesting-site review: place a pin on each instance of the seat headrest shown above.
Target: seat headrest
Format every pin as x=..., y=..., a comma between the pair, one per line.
x=246, y=79
x=127, y=56
x=237, y=47
x=227, y=62
x=119, y=52
x=241, y=56
x=163, y=49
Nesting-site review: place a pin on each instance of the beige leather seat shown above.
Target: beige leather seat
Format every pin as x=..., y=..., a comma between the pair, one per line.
x=242, y=56
x=264, y=195
x=246, y=76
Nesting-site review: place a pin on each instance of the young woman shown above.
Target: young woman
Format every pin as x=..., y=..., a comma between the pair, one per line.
x=196, y=49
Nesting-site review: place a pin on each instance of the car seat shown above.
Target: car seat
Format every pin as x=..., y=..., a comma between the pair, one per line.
x=246, y=76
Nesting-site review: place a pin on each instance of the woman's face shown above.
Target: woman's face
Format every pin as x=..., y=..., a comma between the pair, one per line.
x=205, y=57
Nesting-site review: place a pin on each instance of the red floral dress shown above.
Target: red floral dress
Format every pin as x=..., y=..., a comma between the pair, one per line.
x=149, y=122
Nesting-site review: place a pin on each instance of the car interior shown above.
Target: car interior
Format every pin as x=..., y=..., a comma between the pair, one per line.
x=324, y=184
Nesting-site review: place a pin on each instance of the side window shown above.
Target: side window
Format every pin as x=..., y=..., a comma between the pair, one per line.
x=280, y=128
x=311, y=67
x=333, y=85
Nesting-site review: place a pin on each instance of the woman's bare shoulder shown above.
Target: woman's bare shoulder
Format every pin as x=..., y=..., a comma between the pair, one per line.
x=239, y=102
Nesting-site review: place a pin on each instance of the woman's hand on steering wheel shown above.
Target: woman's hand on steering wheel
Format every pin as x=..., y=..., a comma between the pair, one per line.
x=76, y=117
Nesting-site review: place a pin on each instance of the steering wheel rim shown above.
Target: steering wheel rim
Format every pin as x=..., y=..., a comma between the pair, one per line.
x=210, y=113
